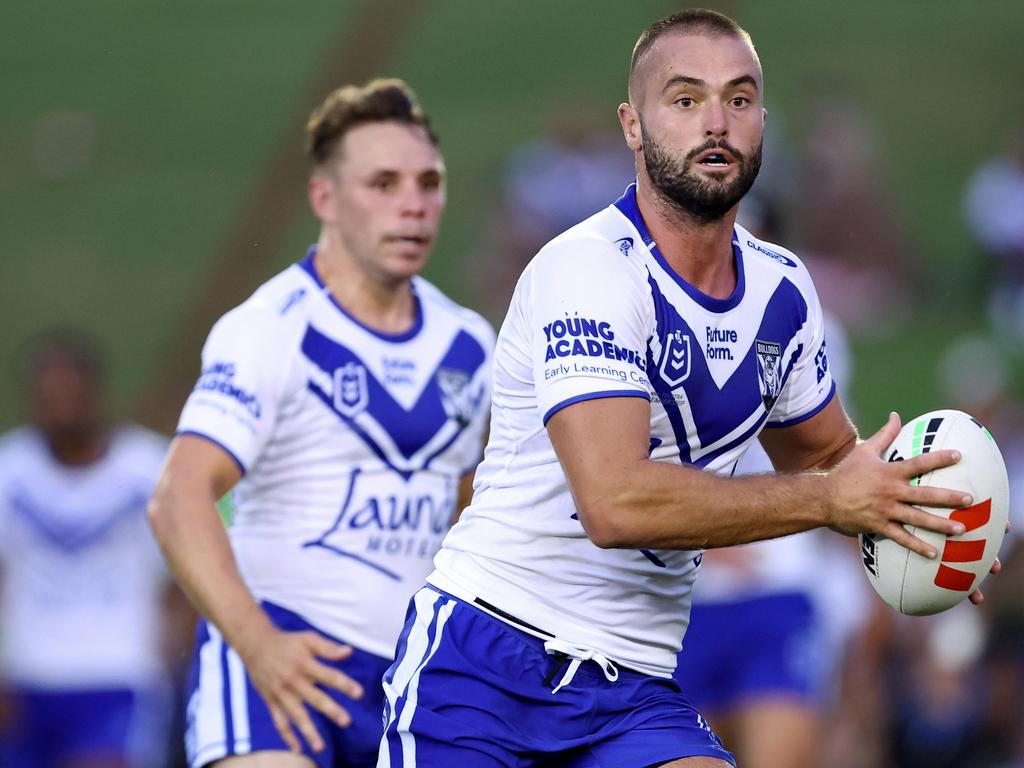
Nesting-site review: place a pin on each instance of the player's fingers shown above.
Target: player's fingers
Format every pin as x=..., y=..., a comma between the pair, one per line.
x=321, y=701
x=909, y=515
x=902, y=536
x=284, y=727
x=883, y=438
x=299, y=715
x=336, y=679
x=997, y=566
x=977, y=597
x=936, y=497
x=925, y=463
x=327, y=649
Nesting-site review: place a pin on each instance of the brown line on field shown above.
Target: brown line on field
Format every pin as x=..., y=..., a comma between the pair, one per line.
x=366, y=44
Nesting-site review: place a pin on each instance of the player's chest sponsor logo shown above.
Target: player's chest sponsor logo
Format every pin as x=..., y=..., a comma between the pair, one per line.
x=399, y=371
x=575, y=336
x=351, y=391
x=219, y=378
x=674, y=366
x=720, y=343
x=769, y=373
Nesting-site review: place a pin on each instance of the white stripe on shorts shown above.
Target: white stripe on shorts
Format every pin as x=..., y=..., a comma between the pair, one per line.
x=239, y=703
x=406, y=677
x=207, y=729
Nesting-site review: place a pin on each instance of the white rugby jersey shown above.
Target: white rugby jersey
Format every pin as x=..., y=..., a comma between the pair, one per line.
x=351, y=442
x=82, y=575
x=599, y=313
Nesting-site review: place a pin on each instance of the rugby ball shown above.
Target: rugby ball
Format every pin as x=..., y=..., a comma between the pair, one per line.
x=913, y=584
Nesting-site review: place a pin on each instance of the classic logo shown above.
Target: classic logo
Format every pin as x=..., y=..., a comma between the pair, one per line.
x=625, y=245
x=769, y=377
x=455, y=395
x=351, y=394
x=675, y=359
x=772, y=254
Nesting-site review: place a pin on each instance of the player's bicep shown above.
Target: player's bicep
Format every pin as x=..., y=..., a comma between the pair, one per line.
x=197, y=465
x=599, y=442
x=815, y=443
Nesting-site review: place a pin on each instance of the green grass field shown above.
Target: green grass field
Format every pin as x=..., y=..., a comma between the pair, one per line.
x=133, y=133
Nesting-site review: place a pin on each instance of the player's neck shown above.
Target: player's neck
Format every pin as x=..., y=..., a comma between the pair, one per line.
x=384, y=305
x=77, y=447
x=700, y=252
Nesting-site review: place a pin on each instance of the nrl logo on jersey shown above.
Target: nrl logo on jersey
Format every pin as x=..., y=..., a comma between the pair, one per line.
x=455, y=395
x=675, y=359
x=351, y=393
x=769, y=355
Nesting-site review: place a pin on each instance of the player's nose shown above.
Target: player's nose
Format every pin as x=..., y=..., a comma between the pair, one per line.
x=715, y=123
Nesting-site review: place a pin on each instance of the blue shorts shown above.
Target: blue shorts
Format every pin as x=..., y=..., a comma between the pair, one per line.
x=733, y=652
x=472, y=691
x=49, y=728
x=226, y=715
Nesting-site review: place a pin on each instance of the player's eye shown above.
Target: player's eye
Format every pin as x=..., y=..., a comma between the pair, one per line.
x=739, y=101
x=685, y=101
x=383, y=185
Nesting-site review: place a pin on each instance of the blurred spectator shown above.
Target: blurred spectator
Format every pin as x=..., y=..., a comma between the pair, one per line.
x=974, y=376
x=549, y=184
x=80, y=613
x=852, y=242
x=994, y=209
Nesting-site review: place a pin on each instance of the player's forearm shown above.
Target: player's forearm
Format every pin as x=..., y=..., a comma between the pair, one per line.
x=648, y=509
x=187, y=525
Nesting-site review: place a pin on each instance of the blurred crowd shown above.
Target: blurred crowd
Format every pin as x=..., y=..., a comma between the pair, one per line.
x=888, y=691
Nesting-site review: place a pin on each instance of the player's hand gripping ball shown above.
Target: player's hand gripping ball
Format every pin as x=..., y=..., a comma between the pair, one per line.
x=913, y=584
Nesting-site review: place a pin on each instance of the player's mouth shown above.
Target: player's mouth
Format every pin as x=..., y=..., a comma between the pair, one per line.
x=417, y=241
x=715, y=159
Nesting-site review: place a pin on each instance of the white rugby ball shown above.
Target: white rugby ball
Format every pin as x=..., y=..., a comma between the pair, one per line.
x=913, y=584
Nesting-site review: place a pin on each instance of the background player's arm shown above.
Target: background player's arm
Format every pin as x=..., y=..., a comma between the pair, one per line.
x=465, y=495
x=626, y=500
x=187, y=525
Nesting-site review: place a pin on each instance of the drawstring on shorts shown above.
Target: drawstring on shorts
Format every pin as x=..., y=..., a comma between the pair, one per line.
x=576, y=658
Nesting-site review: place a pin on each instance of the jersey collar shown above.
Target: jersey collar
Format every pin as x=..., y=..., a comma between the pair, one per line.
x=628, y=207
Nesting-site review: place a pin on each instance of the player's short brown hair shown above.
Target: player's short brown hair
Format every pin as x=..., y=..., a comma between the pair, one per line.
x=379, y=101
x=696, y=20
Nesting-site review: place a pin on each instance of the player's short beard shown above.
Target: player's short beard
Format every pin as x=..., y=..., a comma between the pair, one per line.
x=703, y=199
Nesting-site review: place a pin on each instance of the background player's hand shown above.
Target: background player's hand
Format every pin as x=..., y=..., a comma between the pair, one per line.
x=871, y=495
x=286, y=669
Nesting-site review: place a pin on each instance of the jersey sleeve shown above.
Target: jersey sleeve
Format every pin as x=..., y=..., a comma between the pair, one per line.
x=245, y=367
x=589, y=328
x=809, y=386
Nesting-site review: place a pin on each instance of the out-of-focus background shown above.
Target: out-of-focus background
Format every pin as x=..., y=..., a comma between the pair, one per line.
x=151, y=176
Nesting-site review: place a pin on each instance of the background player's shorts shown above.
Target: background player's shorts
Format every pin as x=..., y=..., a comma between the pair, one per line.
x=471, y=691
x=741, y=650
x=46, y=727
x=227, y=716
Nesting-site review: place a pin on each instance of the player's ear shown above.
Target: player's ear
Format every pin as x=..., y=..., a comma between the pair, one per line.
x=629, y=118
x=320, y=191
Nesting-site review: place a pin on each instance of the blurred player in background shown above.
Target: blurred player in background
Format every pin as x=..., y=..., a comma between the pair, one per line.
x=345, y=402
x=80, y=613
x=650, y=342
